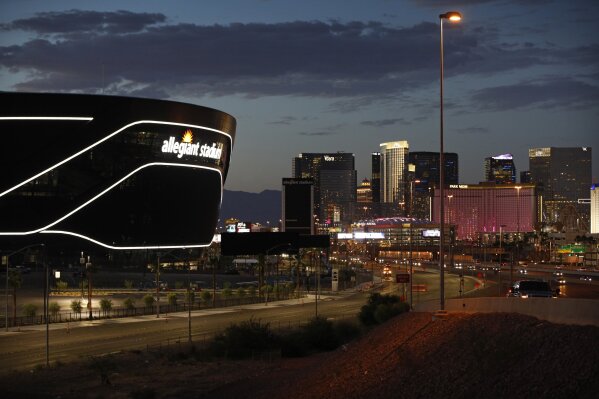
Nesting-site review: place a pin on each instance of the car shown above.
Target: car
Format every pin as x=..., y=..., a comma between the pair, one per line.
x=523, y=271
x=561, y=280
x=531, y=288
x=558, y=274
x=586, y=278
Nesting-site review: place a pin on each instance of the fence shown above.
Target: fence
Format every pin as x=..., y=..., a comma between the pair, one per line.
x=69, y=316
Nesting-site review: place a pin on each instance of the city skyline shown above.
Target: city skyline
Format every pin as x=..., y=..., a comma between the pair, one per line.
x=340, y=76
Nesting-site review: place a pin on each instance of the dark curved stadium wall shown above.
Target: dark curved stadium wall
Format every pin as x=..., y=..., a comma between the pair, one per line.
x=122, y=173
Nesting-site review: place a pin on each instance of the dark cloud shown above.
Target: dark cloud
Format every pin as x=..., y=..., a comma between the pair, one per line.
x=355, y=63
x=385, y=122
x=320, y=133
x=547, y=93
x=79, y=21
x=459, y=3
x=286, y=120
x=472, y=130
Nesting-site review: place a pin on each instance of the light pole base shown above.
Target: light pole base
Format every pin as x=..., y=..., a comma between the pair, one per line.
x=440, y=315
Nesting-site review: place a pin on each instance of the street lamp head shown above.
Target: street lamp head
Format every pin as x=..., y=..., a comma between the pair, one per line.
x=453, y=16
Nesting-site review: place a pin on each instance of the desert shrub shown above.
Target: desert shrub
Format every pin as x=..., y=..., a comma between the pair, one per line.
x=128, y=284
x=105, y=305
x=347, y=331
x=252, y=291
x=172, y=298
x=241, y=292
x=129, y=303
x=227, y=292
x=29, y=310
x=76, y=307
x=318, y=335
x=381, y=308
x=149, y=300
x=244, y=339
x=54, y=308
x=190, y=297
x=206, y=296
x=61, y=285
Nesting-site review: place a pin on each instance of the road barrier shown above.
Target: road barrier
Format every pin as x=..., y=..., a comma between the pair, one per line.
x=555, y=310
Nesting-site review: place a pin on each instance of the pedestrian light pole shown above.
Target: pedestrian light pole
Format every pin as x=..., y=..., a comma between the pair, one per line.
x=451, y=16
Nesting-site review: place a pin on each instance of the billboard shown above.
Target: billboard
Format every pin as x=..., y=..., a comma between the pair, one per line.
x=298, y=205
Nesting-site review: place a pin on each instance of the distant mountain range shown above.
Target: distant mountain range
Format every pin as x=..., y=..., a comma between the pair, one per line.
x=252, y=207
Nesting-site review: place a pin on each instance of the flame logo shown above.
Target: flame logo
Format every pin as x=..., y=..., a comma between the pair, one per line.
x=187, y=136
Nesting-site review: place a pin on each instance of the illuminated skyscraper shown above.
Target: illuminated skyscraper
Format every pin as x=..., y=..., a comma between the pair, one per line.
x=394, y=163
x=426, y=176
x=375, y=181
x=334, y=176
x=364, y=191
x=486, y=208
x=500, y=169
x=563, y=176
x=595, y=209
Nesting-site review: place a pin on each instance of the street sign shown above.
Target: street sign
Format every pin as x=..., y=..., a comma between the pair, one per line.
x=402, y=278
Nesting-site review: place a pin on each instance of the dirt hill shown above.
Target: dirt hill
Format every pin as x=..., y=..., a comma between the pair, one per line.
x=411, y=356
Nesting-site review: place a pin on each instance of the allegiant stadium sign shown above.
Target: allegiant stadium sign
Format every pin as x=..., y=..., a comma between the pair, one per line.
x=187, y=147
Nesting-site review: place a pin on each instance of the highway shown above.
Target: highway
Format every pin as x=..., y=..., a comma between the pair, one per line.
x=26, y=349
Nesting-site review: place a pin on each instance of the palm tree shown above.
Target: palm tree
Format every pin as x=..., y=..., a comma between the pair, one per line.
x=15, y=280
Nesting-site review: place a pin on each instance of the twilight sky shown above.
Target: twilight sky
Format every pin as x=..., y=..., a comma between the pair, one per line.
x=328, y=75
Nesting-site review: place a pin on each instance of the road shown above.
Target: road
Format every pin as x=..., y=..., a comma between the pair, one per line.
x=26, y=349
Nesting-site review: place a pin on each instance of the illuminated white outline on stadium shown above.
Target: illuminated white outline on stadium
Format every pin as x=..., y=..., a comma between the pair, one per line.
x=103, y=192
x=41, y=229
x=44, y=118
x=126, y=248
x=97, y=142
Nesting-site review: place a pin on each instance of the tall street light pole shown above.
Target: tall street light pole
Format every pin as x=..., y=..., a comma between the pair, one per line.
x=452, y=16
x=501, y=226
x=7, y=257
x=411, y=254
x=517, y=234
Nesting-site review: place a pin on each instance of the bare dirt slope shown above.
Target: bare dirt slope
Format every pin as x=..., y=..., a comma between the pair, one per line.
x=475, y=356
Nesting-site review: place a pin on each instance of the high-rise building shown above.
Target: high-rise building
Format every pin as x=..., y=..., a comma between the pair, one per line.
x=563, y=176
x=364, y=191
x=375, y=181
x=394, y=163
x=426, y=176
x=334, y=176
x=427, y=169
x=483, y=208
x=525, y=176
x=595, y=209
x=500, y=169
